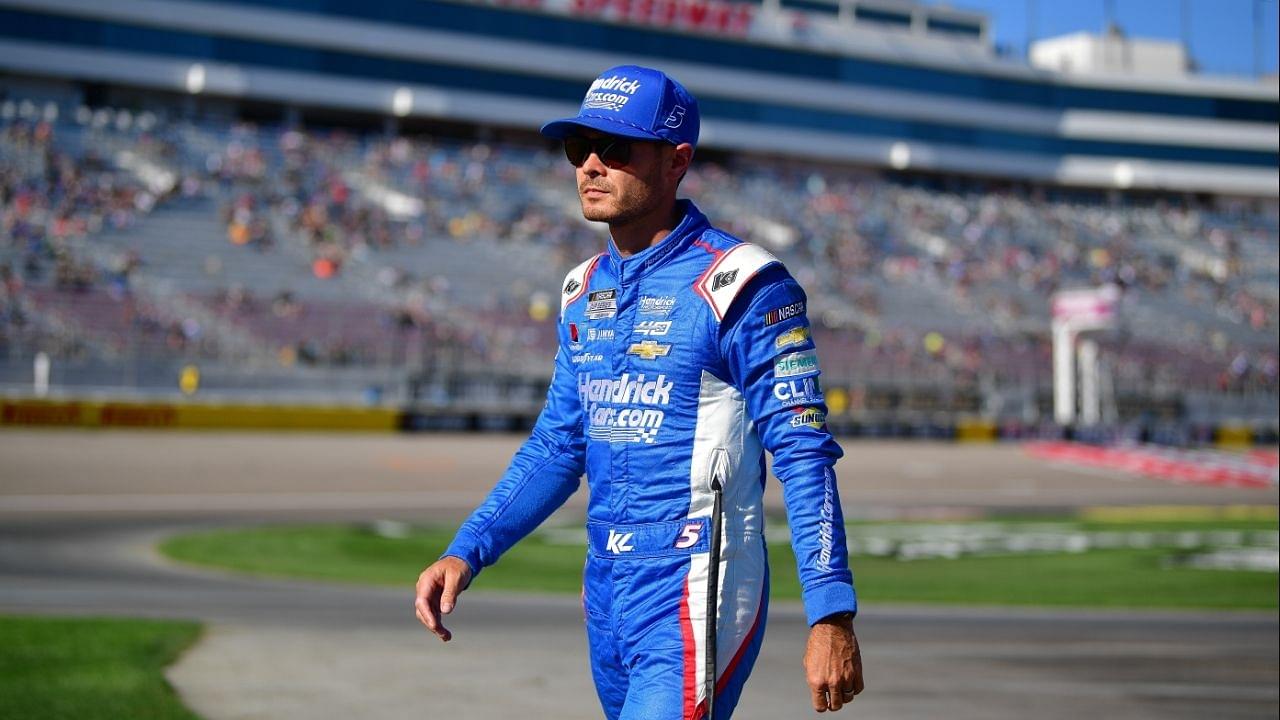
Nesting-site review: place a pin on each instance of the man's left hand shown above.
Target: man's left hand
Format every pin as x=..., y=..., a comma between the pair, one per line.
x=832, y=663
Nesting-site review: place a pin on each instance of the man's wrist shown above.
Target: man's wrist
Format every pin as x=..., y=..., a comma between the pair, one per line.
x=842, y=619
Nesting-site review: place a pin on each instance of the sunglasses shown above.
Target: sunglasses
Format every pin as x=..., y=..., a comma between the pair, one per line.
x=614, y=152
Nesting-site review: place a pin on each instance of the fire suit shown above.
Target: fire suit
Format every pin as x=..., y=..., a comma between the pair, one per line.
x=678, y=364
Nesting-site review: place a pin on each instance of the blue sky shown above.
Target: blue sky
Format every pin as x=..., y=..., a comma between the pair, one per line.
x=1221, y=30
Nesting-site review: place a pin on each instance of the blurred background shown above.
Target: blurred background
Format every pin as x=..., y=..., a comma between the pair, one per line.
x=1049, y=228
x=330, y=202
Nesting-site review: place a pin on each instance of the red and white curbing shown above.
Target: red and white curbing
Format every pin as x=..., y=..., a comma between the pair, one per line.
x=1256, y=469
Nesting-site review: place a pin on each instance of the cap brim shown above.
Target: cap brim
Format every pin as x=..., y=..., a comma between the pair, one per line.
x=561, y=129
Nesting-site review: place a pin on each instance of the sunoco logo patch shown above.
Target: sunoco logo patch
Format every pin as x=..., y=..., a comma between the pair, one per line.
x=809, y=417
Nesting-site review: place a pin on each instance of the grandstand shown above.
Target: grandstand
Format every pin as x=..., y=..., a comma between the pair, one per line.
x=348, y=202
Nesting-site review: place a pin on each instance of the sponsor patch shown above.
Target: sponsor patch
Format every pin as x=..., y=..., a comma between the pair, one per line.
x=656, y=304
x=572, y=286
x=795, y=364
x=653, y=328
x=797, y=391
x=649, y=349
x=624, y=424
x=625, y=390
x=786, y=312
x=585, y=357
x=808, y=417
x=826, y=534
x=619, y=542
x=610, y=93
x=794, y=336
x=594, y=334
x=573, y=332
x=602, y=304
x=723, y=279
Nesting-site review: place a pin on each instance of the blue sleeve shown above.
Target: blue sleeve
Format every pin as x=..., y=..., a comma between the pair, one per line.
x=543, y=474
x=766, y=343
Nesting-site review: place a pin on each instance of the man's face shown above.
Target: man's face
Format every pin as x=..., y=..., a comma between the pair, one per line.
x=621, y=193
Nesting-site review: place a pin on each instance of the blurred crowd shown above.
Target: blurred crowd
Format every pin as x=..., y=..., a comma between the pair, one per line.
x=54, y=195
x=912, y=280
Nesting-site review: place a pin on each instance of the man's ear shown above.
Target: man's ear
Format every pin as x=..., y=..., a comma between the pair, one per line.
x=680, y=160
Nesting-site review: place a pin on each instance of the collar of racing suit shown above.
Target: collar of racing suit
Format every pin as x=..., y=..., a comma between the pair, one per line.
x=690, y=228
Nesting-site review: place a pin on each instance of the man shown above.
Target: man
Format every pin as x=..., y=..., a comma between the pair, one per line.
x=684, y=353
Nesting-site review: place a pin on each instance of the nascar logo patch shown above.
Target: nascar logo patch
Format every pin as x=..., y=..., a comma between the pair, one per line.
x=786, y=312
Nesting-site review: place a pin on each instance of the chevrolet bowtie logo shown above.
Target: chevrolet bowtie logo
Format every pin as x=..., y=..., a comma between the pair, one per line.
x=649, y=349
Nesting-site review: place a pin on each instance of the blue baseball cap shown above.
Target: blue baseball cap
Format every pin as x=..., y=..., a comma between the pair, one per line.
x=635, y=102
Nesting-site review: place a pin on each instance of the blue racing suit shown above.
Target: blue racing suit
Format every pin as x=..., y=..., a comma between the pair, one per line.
x=678, y=364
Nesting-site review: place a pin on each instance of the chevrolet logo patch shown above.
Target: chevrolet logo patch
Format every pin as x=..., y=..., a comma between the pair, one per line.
x=649, y=349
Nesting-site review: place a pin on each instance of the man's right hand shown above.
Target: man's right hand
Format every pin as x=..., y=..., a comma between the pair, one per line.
x=438, y=590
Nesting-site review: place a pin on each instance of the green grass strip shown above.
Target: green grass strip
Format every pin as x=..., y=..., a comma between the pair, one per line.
x=1137, y=578
x=86, y=669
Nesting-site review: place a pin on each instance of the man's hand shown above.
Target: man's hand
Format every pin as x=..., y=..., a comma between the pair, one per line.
x=438, y=589
x=832, y=663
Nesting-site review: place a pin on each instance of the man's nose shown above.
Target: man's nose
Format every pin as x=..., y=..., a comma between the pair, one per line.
x=594, y=166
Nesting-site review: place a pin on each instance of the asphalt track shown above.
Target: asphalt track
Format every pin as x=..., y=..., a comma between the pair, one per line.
x=81, y=511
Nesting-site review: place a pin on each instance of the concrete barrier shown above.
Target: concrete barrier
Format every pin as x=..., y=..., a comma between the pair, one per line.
x=243, y=416
x=976, y=430
x=182, y=416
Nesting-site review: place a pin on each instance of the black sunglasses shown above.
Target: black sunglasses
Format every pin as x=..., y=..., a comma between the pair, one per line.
x=614, y=152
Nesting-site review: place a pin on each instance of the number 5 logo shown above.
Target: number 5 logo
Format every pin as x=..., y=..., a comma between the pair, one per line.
x=676, y=117
x=689, y=536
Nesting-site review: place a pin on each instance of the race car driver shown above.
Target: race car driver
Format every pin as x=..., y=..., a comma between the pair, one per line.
x=684, y=354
